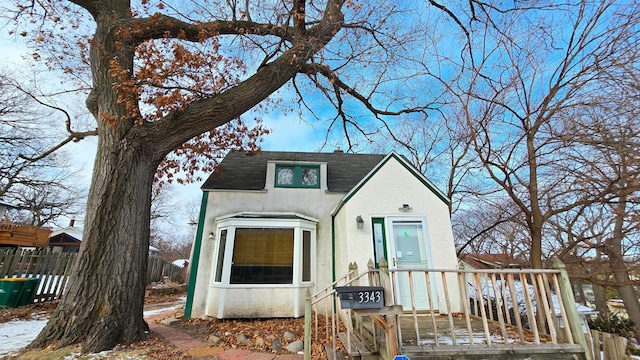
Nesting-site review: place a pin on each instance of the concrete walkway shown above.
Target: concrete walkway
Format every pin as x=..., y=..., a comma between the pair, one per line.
x=198, y=349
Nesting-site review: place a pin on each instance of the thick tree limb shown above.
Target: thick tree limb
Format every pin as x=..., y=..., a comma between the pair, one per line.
x=164, y=26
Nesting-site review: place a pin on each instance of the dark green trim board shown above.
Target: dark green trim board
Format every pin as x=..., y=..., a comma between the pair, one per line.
x=193, y=275
x=297, y=176
x=333, y=248
x=333, y=259
x=383, y=246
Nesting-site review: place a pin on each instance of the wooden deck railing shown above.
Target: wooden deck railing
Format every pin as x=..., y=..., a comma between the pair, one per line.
x=511, y=307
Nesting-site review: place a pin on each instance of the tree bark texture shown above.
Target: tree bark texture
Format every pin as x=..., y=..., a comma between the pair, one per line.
x=103, y=306
x=600, y=296
x=104, y=303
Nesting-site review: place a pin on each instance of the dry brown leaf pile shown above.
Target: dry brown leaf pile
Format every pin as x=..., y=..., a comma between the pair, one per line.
x=27, y=312
x=269, y=330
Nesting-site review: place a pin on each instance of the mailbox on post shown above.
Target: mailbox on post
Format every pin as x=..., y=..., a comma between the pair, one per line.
x=361, y=297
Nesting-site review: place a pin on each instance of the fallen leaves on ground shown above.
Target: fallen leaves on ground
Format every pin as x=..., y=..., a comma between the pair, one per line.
x=157, y=348
x=27, y=312
x=44, y=309
x=269, y=330
x=163, y=298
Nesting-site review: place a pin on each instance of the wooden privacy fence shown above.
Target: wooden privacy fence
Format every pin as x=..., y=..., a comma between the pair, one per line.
x=608, y=346
x=54, y=270
x=159, y=268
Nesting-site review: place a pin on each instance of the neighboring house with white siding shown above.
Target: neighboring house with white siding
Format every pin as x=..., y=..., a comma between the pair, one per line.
x=274, y=224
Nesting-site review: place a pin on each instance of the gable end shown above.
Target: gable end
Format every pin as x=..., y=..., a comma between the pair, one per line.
x=407, y=166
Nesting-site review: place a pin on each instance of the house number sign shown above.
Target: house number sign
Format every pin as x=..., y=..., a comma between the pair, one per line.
x=360, y=297
x=369, y=296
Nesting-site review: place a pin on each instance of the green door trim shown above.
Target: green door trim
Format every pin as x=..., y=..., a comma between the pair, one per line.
x=193, y=266
x=379, y=221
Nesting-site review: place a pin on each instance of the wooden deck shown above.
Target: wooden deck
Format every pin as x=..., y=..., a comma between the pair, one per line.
x=476, y=315
x=458, y=343
x=459, y=334
x=12, y=234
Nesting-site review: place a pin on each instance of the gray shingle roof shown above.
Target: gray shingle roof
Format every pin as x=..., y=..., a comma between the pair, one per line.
x=247, y=171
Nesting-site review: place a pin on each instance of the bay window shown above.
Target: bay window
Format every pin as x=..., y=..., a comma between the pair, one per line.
x=265, y=249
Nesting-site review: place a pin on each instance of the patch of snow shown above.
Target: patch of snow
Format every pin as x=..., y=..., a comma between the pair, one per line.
x=158, y=311
x=16, y=334
x=181, y=262
x=462, y=338
x=488, y=289
x=100, y=355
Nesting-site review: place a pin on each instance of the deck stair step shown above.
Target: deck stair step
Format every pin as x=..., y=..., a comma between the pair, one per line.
x=339, y=355
x=359, y=350
x=367, y=330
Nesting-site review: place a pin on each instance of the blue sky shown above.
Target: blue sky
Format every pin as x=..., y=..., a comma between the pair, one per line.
x=288, y=133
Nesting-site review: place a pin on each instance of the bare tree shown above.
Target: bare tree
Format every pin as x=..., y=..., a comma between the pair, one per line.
x=607, y=152
x=31, y=176
x=530, y=93
x=171, y=77
x=525, y=71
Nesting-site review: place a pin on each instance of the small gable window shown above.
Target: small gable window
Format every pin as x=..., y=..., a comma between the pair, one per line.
x=297, y=176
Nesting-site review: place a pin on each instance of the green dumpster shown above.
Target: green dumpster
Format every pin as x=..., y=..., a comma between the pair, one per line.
x=10, y=290
x=28, y=291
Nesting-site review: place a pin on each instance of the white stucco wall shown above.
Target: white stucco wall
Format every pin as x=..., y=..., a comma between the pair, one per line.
x=381, y=197
x=316, y=203
x=256, y=302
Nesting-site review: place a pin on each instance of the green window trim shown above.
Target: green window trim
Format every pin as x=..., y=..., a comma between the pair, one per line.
x=297, y=176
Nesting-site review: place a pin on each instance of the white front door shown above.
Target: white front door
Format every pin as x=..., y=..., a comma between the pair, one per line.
x=409, y=250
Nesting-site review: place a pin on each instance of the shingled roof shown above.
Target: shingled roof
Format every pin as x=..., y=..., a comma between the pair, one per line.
x=247, y=171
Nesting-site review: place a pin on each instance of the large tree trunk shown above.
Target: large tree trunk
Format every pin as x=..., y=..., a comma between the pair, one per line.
x=104, y=303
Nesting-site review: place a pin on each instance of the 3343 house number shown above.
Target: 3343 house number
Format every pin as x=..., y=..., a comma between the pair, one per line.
x=365, y=297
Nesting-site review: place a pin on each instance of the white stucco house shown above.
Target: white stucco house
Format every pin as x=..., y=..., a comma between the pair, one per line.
x=274, y=224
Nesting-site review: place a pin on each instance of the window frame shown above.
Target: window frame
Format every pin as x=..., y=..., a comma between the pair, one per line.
x=297, y=176
x=300, y=224
x=249, y=263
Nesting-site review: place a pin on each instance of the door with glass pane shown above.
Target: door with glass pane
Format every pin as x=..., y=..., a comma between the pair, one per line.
x=409, y=250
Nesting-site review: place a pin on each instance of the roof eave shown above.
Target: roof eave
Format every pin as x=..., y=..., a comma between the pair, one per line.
x=408, y=166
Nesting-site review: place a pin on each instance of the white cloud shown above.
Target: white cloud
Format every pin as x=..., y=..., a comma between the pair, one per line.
x=11, y=52
x=290, y=133
x=83, y=157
